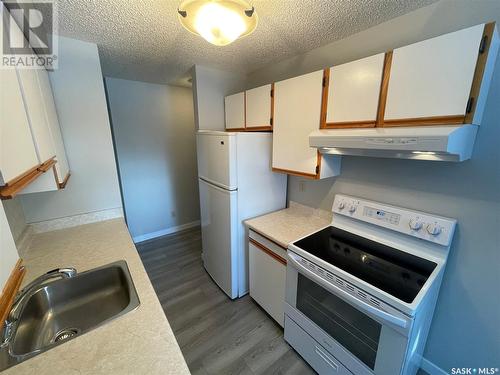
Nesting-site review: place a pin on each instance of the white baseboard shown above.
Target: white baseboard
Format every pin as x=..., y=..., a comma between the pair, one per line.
x=431, y=368
x=164, y=232
x=73, y=221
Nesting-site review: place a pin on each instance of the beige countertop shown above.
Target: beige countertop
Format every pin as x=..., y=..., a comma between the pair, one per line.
x=288, y=225
x=139, y=342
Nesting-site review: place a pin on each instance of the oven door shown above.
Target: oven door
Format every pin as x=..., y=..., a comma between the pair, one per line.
x=366, y=339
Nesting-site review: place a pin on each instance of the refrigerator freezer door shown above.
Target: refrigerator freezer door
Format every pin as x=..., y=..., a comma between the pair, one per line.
x=217, y=158
x=219, y=235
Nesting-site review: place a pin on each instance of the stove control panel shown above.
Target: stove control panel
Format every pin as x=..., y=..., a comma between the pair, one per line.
x=418, y=224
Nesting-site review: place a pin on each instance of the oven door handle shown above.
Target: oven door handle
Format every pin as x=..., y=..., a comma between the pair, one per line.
x=348, y=297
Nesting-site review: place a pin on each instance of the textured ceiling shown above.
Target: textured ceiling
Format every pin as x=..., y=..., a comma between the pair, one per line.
x=143, y=40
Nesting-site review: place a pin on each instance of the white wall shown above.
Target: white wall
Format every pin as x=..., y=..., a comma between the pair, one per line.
x=433, y=20
x=81, y=105
x=210, y=86
x=154, y=132
x=465, y=327
x=15, y=216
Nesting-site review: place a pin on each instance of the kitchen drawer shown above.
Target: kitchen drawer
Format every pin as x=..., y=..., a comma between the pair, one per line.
x=312, y=352
x=267, y=275
x=274, y=247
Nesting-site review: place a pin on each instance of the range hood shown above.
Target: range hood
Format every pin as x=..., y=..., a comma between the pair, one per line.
x=437, y=143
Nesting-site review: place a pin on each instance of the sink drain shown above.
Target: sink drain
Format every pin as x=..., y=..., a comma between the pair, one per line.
x=65, y=334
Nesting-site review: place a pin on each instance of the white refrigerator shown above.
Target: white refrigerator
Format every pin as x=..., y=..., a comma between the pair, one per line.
x=236, y=183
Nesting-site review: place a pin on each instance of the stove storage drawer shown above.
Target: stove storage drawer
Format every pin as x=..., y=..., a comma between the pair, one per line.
x=312, y=352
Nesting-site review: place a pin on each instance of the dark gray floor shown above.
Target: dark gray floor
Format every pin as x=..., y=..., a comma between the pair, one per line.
x=216, y=335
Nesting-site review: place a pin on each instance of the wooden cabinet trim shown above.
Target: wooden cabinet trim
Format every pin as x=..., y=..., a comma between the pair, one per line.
x=45, y=166
x=350, y=124
x=324, y=98
x=21, y=176
x=482, y=58
x=319, y=158
x=12, y=189
x=272, y=106
x=384, y=87
x=10, y=290
x=269, y=252
x=426, y=121
x=63, y=184
x=259, y=129
x=267, y=238
x=295, y=173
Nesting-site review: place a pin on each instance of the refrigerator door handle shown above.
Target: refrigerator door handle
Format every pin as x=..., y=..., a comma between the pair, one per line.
x=217, y=185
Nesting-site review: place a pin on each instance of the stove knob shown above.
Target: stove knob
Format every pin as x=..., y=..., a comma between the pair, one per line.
x=415, y=224
x=352, y=208
x=433, y=229
x=341, y=205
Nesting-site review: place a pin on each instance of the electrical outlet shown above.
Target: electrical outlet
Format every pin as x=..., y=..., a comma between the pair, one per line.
x=172, y=213
x=302, y=186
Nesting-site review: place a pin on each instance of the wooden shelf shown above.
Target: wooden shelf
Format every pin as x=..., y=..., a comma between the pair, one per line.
x=13, y=187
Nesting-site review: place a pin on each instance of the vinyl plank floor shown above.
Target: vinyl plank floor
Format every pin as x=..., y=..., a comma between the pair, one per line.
x=217, y=335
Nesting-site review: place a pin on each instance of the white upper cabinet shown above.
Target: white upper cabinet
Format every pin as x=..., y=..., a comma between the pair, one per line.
x=433, y=78
x=36, y=114
x=61, y=166
x=297, y=112
x=30, y=136
x=35, y=109
x=17, y=150
x=259, y=107
x=234, y=106
x=353, y=92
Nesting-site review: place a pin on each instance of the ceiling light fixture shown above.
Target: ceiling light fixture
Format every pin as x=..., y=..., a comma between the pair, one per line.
x=219, y=22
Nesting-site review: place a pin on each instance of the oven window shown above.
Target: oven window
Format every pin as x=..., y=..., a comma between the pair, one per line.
x=354, y=330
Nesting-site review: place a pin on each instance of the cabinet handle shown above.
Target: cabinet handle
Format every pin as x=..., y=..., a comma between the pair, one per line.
x=271, y=253
x=325, y=357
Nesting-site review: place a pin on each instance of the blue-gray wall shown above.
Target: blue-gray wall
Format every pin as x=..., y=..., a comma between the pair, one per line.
x=154, y=133
x=466, y=328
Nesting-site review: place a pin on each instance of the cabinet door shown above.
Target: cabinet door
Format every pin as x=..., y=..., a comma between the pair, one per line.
x=297, y=113
x=267, y=281
x=34, y=105
x=62, y=167
x=259, y=103
x=353, y=93
x=17, y=150
x=235, y=111
x=430, y=81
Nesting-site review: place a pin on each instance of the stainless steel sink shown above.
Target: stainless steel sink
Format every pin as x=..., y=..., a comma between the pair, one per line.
x=61, y=310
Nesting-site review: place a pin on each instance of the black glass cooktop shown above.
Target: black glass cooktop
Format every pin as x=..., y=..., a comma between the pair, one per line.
x=393, y=271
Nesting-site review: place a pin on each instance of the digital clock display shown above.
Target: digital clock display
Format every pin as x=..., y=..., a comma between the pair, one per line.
x=388, y=217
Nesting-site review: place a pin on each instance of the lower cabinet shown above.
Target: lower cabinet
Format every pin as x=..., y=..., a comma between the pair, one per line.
x=267, y=273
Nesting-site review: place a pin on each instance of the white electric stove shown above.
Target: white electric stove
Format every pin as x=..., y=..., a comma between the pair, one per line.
x=361, y=292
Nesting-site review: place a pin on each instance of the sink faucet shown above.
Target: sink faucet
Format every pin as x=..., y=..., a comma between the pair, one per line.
x=24, y=294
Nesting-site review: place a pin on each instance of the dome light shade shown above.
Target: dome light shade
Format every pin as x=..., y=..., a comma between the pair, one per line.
x=219, y=22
